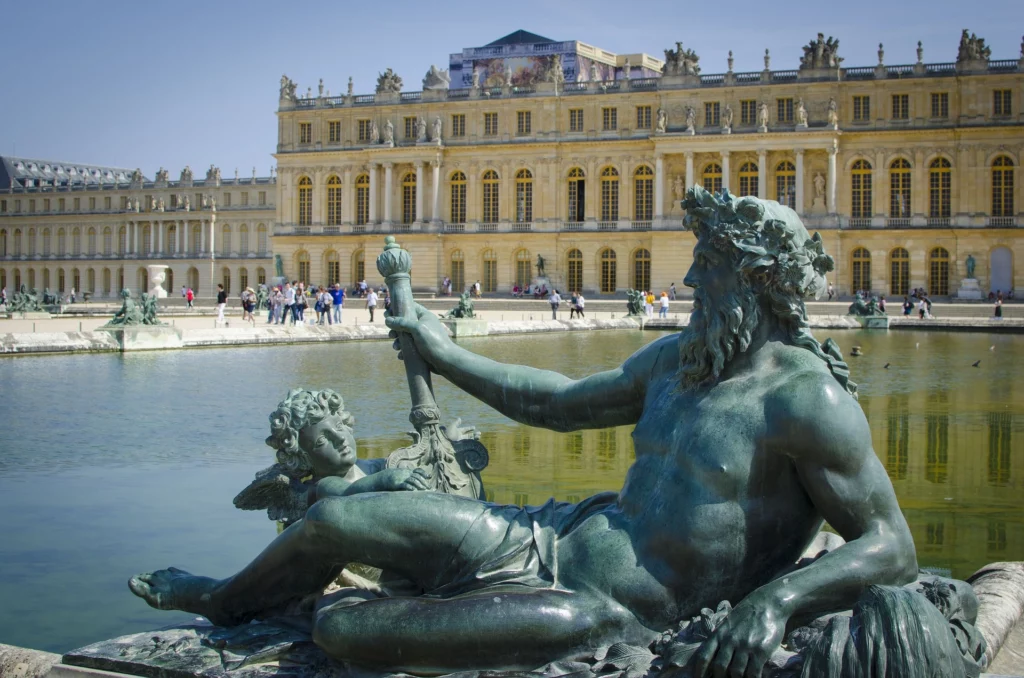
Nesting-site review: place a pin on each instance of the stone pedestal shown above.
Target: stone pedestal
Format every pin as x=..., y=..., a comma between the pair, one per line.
x=157, y=276
x=145, y=337
x=873, y=322
x=29, y=315
x=466, y=327
x=969, y=289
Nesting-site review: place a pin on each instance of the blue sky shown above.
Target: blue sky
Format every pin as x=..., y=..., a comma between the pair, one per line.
x=152, y=84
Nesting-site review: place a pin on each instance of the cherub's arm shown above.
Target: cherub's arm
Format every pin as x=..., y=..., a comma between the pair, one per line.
x=388, y=480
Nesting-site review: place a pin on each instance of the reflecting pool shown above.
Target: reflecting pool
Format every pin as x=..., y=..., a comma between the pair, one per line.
x=112, y=465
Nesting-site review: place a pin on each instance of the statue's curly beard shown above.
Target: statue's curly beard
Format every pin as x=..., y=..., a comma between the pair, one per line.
x=718, y=330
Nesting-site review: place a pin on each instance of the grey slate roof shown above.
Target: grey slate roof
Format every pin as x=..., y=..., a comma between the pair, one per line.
x=519, y=37
x=26, y=172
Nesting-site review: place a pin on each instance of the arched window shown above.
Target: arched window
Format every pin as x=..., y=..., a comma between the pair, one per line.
x=577, y=186
x=168, y=282
x=524, y=196
x=409, y=198
x=490, y=197
x=609, y=194
x=861, y=270
x=261, y=276
x=46, y=242
x=642, y=270
x=16, y=244
x=899, y=190
x=46, y=278
x=363, y=199
x=193, y=280
x=90, y=242
x=17, y=278
x=106, y=282
x=302, y=264
x=172, y=239
x=76, y=242
x=31, y=275
x=711, y=177
x=643, y=194
x=90, y=281
x=785, y=184
x=333, y=200
x=261, y=239
x=1002, y=187
x=76, y=280
x=225, y=240
x=108, y=244
x=490, y=264
x=458, y=199
x=574, y=266
x=332, y=264
x=358, y=266
x=860, y=190
x=305, y=201
x=940, y=181
x=3, y=246
x=31, y=249
x=122, y=240
x=243, y=279
x=748, y=179
x=524, y=268
x=225, y=279
x=147, y=241
x=243, y=240
x=197, y=238
x=938, y=272
x=899, y=272
x=61, y=280
x=457, y=271
x=609, y=271
x=62, y=242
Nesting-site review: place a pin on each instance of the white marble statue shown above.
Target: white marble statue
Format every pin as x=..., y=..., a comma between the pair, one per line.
x=691, y=119
x=833, y=113
x=160, y=205
x=678, y=188
x=508, y=75
x=374, y=132
x=662, y=123
x=436, y=131
x=421, y=130
x=627, y=70
x=762, y=116
x=476, y=79
x=389, y=133
x=819, y=188
x=801, y=113
x=188, y=204
x=727, y=120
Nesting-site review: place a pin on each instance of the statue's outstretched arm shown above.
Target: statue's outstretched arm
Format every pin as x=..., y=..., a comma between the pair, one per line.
x=533, y=396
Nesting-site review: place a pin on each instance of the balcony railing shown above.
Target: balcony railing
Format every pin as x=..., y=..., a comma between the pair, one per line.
x=860, y=222
x=521, y=226
x=607, y=225
x=455, y=228
x=487, y=228
x=898, y=222
x=1001, y=222
x=573, y=226
x=936, y=222
x=640, y=225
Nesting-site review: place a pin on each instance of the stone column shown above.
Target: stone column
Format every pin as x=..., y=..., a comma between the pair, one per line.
x=689, y=170
x=725, y=169
x=419, y=191
x=659, y=191
x=159, y=238
x=831, y=184
x=373, y=192
x=799, y=198
x=880, y=186
x=762, y=174
x=435, y=207
x=388, y=187
x=202, y=237
x=348, y=205
x=135, y=238
x=213, y=236
x=184, y=237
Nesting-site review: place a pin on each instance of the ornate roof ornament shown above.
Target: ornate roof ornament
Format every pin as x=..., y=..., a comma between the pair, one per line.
x=821, y=53
x=972, y=48
x=680, y=61
x=389, y=82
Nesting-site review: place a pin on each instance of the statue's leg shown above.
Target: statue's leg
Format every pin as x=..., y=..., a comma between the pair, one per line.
x=509, y=627
x=416, y=534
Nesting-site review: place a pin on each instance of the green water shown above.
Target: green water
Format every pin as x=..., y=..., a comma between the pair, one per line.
x=113, y=465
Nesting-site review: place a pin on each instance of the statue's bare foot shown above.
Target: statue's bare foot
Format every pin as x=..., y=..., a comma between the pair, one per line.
x=174, y=589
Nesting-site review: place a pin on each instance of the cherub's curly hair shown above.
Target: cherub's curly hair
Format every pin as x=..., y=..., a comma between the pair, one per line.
x=300, y=409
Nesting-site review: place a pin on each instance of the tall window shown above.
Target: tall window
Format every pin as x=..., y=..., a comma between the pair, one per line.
x=860, y=190
x=333, y=262
x=226, y=279
x=62, y=242
x=458, y=198
x=362, y=199
x=785, y=109
x=785, y=184
x=3, y=245
x=609, y=271
x=76, y=242
x=1002, y=102
x=243, y=278
x=459, y=125
x=409, y=198
x=490, y=124
x=711, y=177
x=940, y=104
x=333, y=133
x=524, y=268
x=225, y=240
x=748, y=111
x=305, y=201
x=490, y=266
x=899, y=272
x=410, y=126
x=643, y=117
x=305, y=132
x=900, y=106
x=574, y=267
x=16, y=244
x=862, y=108
x=1002, y=187
x=364, y=129
x=939, y=183
x=122, y=240
x=577, y=187
x=938, y=272
x=524, y=123
x=609, y=119
x=458, y=271
x=261, y=239
x=524, y=196
x=302, y=261
x=575, y=119
x=609, y=194
x=643, y=193
x=748, y=179
x=46, y=242
x=261, y=276
x=642, y=269
x=712, y=113
x=899, y=189
x=108, y=242
x=861, y=270
x=490, y=196
x=243, y=240
x=334, y=200
x=358, y=266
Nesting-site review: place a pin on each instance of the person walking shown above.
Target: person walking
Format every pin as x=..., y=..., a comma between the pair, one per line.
x=649, y=305
x=672, y=292
x=476, y=289
x=908, y=306
x=277, y=309
x=189, y=298
x=999, y=308
x=248, y=299
x=580, y=302
x=222, y=302
x=289, y=303
x=337, y=301
x=183, y=288
x=301, y=301
x=555, y=301
x=572, y=305
x=831, y=292
x=881, y=303
x=663, y=310
x=371, y=303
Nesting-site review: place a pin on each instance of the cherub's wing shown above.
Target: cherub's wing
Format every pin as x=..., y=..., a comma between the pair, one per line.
x=272, y=489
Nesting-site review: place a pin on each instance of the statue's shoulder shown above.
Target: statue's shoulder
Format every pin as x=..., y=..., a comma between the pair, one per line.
x=655, y=359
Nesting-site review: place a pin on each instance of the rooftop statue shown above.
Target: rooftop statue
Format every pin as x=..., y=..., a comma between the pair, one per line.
x=821, y=53
x=162, y=175
x=186, y=175
x=464, y=309
x=213, y=174
x=681, y=62
x=128, y=314
x=287, y=89
x=388, y=82
x=436, y=78
x=748, y=436
x=137, y=178
x=24, y=301
x=972, y=48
